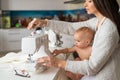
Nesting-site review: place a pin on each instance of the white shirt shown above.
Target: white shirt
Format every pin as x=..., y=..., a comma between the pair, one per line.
x=103, y=63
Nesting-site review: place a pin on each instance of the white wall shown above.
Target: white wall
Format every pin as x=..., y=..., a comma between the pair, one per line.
x=37, y=5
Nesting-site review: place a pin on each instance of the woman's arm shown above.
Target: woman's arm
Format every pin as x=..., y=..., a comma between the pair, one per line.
x=69, y=27
x=61, y=26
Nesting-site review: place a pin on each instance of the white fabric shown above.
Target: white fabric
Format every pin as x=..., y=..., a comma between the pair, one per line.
x=19, y=60
x=103, y=63
x=68, y=40
x=13, y=57
x=51, y=37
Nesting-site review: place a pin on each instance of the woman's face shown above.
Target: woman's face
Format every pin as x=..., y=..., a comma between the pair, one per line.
x=90, y=7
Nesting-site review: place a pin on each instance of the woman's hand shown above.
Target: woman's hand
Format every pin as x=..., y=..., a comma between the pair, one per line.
x=36, y=23
x=52, y=61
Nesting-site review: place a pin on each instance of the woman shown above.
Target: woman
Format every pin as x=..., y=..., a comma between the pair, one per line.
x=103, y=63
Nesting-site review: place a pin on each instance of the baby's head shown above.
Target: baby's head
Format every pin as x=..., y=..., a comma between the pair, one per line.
x=83, y=37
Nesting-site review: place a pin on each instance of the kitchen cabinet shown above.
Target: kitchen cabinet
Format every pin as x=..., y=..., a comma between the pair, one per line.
x=10, y=39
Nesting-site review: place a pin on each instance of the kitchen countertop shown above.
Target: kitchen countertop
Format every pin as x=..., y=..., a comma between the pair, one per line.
x=8, y=73
x=13, y=60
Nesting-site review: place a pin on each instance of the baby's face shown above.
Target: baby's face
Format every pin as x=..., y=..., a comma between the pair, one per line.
x=81, y=40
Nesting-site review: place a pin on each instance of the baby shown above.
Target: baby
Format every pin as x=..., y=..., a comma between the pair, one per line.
x=83, y=38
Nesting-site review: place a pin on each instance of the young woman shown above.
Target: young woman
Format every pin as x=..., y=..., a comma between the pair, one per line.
x=103, y=63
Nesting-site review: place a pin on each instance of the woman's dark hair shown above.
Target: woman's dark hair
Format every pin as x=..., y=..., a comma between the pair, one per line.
x=109, y=9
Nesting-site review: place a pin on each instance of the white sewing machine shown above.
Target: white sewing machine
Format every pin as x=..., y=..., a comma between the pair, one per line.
x=36, y=46
x=32, y=44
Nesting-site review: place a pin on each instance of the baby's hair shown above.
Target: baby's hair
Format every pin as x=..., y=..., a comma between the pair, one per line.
x=86, y=30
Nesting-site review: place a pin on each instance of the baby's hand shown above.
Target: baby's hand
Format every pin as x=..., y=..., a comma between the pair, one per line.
x=55, y=52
